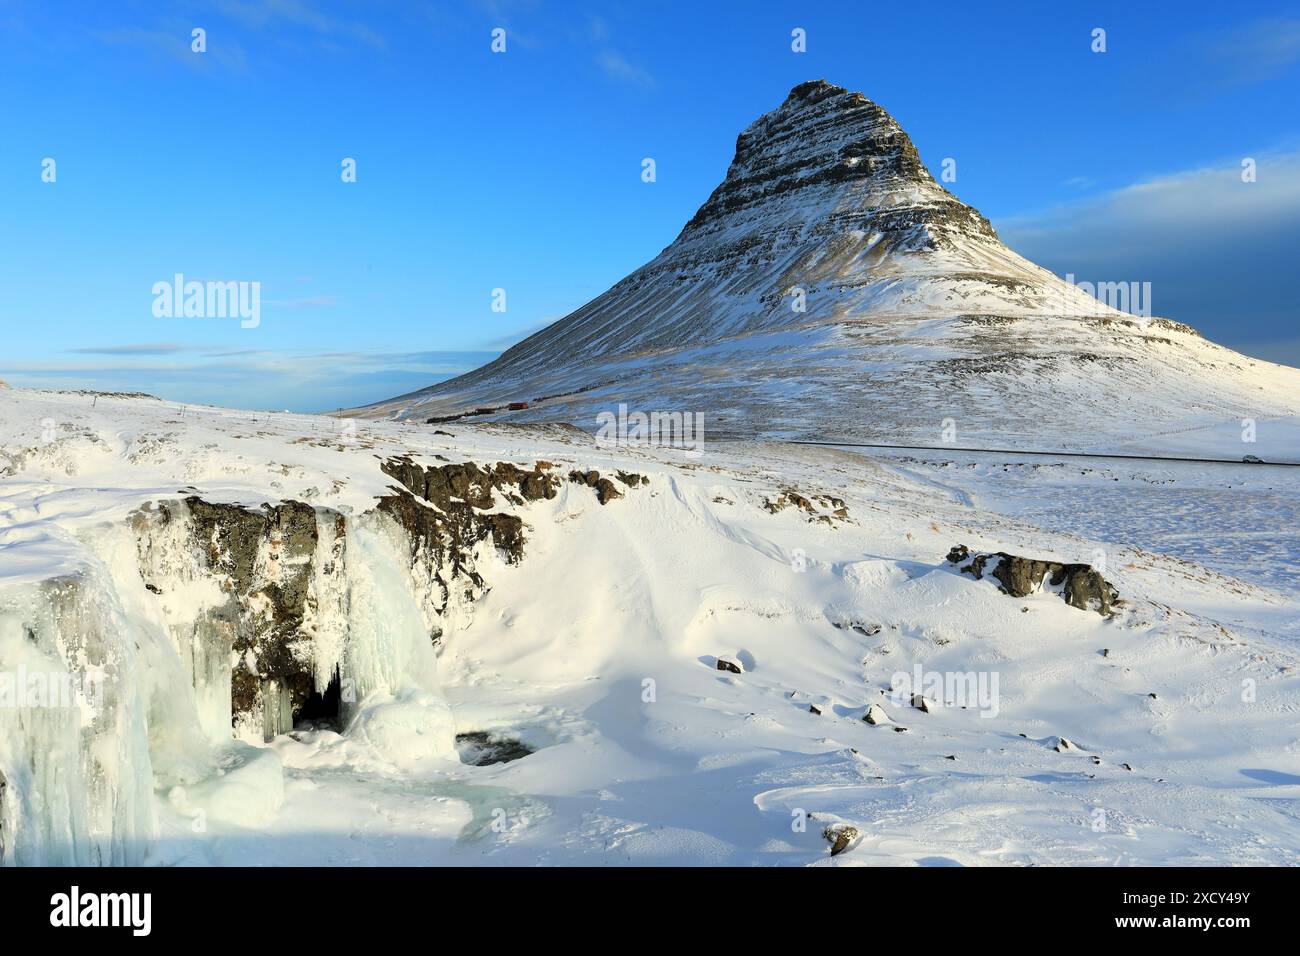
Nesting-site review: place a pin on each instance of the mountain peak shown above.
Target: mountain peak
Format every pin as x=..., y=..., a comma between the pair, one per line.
x=829, y=152
x=813, y=90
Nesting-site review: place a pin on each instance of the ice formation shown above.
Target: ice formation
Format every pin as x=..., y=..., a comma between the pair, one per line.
x=175, y=628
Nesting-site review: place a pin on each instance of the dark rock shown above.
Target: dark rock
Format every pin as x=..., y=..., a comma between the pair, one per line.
x=606, y=490
x=1082, y=586
x=814, y=709
x=631, y=479
x=788, y=497
x=725, y=665
x=481, y=749
x=440, y=485
x=839, y=836
x=444, y=510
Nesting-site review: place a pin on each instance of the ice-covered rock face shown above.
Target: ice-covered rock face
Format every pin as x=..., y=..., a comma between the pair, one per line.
x=193, y=621
x=261, y=602
x=255, y=599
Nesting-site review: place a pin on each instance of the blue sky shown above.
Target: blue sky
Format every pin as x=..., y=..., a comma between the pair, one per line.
x=522, y=170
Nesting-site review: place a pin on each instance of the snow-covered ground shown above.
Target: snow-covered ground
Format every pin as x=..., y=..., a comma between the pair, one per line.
x=598, y=650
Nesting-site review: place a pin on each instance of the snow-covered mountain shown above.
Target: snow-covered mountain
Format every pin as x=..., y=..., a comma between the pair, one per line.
x=830, y=287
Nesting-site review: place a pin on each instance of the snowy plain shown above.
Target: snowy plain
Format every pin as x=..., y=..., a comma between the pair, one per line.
x=598, y=650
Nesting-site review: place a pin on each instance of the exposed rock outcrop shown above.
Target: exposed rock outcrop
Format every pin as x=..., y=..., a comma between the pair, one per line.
x=631, y=478
x=823, y=508
x=866, y=630
x=839, y=836
x=482, y=749
x=606, y=490
x=875, y=715
x=1080, y=585
x=445, y=485
x=447, y=512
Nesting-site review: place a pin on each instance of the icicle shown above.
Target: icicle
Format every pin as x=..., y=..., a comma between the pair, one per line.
x=326, y=613
x=277, y=710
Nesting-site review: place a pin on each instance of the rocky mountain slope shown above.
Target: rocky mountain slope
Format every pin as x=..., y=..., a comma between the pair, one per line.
x=830, y=287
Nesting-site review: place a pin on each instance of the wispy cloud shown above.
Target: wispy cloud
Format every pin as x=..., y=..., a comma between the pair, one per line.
x=612, y=62
x=617, y=66
x=174, y=45
x=1254, y=52
x=144, y=348
x=267, y=14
